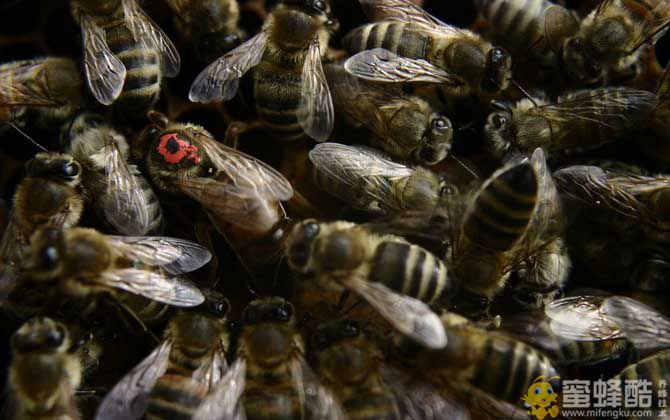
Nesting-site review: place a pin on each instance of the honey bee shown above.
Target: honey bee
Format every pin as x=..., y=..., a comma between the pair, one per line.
x=410, y=45
x=352, y=365
x=369, y=181
x=210, y=26
x=655, y=143
x=609, y=38
x=176, y=377
x=241, y=194
x=118, y=191
x=579, y=120
x=46, y=91
x=290, y=89
x=279, y=384
x=50, y=195
x=405, y=126
x=125, y=53
x=394, y=276
x=44, y=374
x=81, y=262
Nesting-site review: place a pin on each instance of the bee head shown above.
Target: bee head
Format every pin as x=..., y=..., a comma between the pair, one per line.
x=579, y=60
x=436, y=141
x=497, y=130
x=295, y=23
x=300, y=244
x=329, y=334
x=215, y=304
x=268, y=330
x=40, y=335
x=54, y=166
x=498, y=71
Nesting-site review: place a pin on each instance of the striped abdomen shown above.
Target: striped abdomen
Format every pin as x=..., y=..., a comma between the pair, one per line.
x=370, y=405
x=589, y=352
x=410, y=270
x=503, y=209
x=271, y=394
x=277, y=91
x=153, y=205
x=646, y=13
x=507, y=367
x=392, y=36
x=652, y=368
x=143, y=76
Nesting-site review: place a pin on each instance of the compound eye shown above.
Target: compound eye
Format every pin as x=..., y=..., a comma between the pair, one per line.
x=498, y=121
x=497, y=55
x=220, y=308
x=55, y=338
x=441, y=125
x=319, y=6
x=310, y=230
x=49, y=258
x=71, y=169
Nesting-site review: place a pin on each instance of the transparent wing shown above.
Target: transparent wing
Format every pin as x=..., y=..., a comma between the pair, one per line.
x=380, y=65
x=410, y=316
x=318, y=402
x=315, y=114
x=174, y=255
x=653, y=27
x=213, y=369
x=582, y=318
x=173, y=291
x=559, y=24
x=406, y=12
x=125, y=203
x=642, y=325
x=246, y=172
x=219, y=81
x=223, y=402
x=17, y=85
x=129, y=397
x=145, y=30
x=105, y=73
x=13, y=247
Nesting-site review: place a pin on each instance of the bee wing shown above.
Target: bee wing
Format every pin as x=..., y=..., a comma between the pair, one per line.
x=174, y=255
x=381, y=65
x=652, y=29
x=590, y=185
x=559, y=24
x=410, y=316
x=105, y=73
x=582, y=318
x=153, y=285
x=219, y=81
x=129, y=397
x=145, y=30
x=223, y=402
x=318, y=402
x=354, y=165
x=125, y=206
x=406, y=12
x=246, y=172
x=642, y=325
x=315, y=114
x=418, y=400
x=13, y=246
x=17, y=85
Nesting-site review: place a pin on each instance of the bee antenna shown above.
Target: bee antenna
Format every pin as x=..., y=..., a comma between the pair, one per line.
x=525, y=93
x=466, y=167
x=23, y=133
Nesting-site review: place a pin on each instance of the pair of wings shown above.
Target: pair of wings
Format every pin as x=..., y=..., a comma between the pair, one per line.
x=130, y=396
x=560, y=23
x=220, y=80
x=243, y=184
x=20, y=87
x=165, y=258
x=381, y=65
x=361, y=169
x=105, y=72
x=594, y=318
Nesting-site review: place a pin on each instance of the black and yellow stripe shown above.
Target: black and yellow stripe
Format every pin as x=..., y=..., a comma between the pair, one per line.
x=367, y=405
x=393, y=36
x=503, y=209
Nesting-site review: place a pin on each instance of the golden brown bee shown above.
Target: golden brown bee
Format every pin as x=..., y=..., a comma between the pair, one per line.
x=367, y=180
x=49, y=195
x=405, y=126
x=125, y=54
x=394, y=276
x=176, y=377
x=291, y=93
x=46, y=91
x=116, y=189
x=608, y=39
x=83, y=263
x=576, y=121
x=44, y=374
x=279, y=384
x=353, y=366
x=209, y=26
x=410, y=45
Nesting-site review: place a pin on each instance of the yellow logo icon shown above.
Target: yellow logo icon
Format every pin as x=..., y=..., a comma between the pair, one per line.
x=541, y=398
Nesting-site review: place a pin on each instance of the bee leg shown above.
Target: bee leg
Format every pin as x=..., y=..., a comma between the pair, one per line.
x=238, y=128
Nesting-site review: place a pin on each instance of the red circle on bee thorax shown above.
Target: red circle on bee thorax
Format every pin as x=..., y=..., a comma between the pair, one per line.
x=174, y=149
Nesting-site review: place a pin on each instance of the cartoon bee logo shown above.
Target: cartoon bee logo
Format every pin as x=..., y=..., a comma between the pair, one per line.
x=541, y=398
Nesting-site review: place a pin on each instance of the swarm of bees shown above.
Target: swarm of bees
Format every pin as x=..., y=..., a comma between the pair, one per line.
x=331, y=209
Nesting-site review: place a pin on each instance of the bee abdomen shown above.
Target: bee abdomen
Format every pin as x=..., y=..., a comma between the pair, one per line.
x=503, y=209
x=653, y=368
x=277, y=97
x=272, y=404
x=175, y=397
x=392, y=36
x=520, y=22
x=410, y=270
x=153, y=206
x=367, y=406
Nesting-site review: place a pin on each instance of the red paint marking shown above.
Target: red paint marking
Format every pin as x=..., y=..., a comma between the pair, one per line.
x=186, y=150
